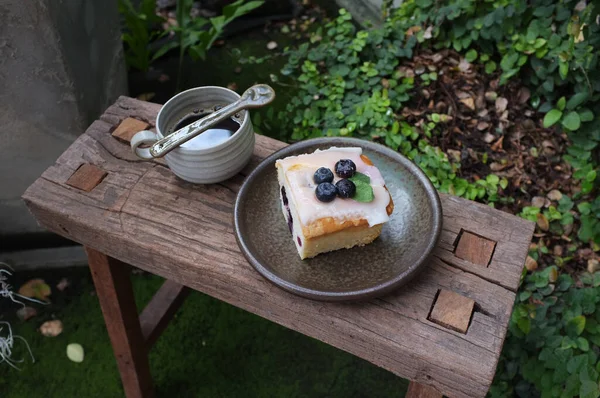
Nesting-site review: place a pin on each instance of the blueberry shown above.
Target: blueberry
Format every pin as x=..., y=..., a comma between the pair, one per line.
x=346, y=188
x=345, y=168
x=326, y=192
x=323, y=174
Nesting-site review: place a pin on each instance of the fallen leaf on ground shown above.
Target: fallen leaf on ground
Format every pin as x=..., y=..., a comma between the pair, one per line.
x=555, y=194
x=530, y=263
x=469, y=103
x=501, y=104
x=483, y=126
x=498, y=145
x=593, y=265
x=232, y=86
x=75, y=352
x=491, y=96
x=26, y=313
x=271, y=45
x=35, y=288
x=51, y=328
x=558, y=250
x=538, y=201
x=488, y=138
x=62, y=284
x=542, y=222
x=524, y=95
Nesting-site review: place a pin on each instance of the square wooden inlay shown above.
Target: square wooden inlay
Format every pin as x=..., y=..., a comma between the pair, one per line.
x=452, y=311
x=474, y=248
x=86, y=177
x=128, y=127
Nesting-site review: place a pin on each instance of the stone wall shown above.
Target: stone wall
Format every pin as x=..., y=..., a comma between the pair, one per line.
x=61, y=65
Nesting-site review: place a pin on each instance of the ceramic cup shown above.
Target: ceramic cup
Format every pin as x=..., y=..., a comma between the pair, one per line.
x=209, y=164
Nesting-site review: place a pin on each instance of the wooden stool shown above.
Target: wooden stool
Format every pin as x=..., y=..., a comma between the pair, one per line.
x=444, y=331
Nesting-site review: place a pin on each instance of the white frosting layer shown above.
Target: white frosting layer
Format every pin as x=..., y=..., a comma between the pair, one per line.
x=299, y=171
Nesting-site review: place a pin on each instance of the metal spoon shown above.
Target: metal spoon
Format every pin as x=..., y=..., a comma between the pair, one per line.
x=254, y=97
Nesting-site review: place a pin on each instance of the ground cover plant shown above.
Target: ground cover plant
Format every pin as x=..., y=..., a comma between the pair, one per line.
x=497, y=101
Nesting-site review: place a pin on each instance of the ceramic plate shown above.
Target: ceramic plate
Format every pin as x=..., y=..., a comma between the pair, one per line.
x=348, y=274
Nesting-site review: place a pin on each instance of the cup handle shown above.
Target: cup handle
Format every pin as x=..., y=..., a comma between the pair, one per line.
x=143, y=137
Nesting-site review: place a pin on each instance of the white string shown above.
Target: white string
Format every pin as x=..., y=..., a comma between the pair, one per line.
x=7, y=342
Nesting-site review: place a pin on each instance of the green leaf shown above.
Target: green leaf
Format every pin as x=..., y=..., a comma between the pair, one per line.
x=589, y=389
x=492, y=179
x=576, y=325
x=360, y=177
x=471, y=55
x=563, y=70
x=577, y=100
x=590, y=176
x=552, y=117
x=523, y=296
x=75, y=352
x=586, y=115
x=571, y=121
x=524, y=325
x=490, y=67
x=561, y=103
x=364, y=192
x=575, y=364
x=583, y=344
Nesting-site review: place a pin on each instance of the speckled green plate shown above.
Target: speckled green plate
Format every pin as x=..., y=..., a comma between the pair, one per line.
x=348, y=274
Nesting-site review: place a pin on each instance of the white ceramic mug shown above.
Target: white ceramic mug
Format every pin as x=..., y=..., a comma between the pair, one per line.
x=204, y=165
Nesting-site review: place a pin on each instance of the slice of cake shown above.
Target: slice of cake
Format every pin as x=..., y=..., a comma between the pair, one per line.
x=332, y=199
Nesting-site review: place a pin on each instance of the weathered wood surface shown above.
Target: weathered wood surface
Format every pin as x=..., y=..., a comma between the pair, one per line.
x=115, y=293
x=452, y=311
x=142, y=214
x=162, y=307
x=416, y=390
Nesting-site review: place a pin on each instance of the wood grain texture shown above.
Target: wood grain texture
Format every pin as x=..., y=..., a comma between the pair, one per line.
x=475, y=249
x=115, y=293
x=416, y=390
x=452, y=311
x=162, y=307
x=131, y=216
x=128, y=128
x=86, y=177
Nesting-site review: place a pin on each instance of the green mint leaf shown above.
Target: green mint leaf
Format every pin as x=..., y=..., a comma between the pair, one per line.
x=364, y=192
x=360, y=177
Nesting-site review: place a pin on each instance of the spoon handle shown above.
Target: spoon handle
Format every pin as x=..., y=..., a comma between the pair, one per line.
x=256, y=96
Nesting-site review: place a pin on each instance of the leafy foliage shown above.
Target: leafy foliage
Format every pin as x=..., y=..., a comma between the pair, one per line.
x=552, y=46
x=350, y=84
x=140, y=32
x=554, y=338
x=194, y=36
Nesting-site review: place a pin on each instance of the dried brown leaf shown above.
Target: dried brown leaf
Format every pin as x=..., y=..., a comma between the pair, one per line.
x=530, y=263
x=26, y=313
x=501, y=104
x=555, y=194
x=593, y=265
x=51, y=328
x=483, y=126
x=35, y=288
x=538, y=201
x=469, y=103
x=542, y=222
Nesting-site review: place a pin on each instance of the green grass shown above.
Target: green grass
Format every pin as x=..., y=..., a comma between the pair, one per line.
x=210, y=349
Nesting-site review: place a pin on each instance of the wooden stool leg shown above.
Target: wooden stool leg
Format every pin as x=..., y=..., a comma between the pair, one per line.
x=115, y=293
x=416, y=390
